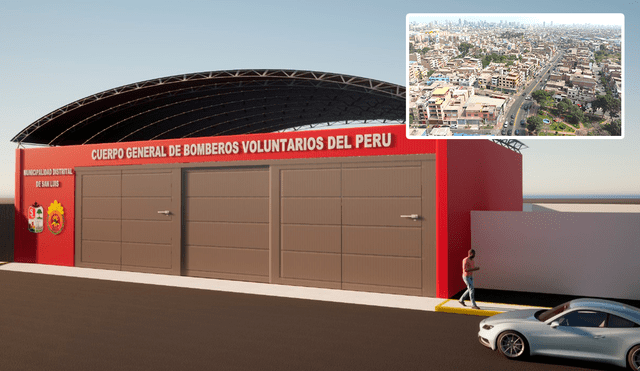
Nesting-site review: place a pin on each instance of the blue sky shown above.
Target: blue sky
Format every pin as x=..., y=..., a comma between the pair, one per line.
x=55, y=52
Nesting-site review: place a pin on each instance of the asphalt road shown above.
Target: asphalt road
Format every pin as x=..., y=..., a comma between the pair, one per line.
x=519, y=99
x=67, y=323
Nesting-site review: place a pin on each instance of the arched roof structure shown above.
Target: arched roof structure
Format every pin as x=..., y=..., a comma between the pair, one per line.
x=217, y=103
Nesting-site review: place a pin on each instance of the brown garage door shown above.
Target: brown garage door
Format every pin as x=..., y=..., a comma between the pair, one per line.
x=353, y=225
x=226, y=223
x=129, y=220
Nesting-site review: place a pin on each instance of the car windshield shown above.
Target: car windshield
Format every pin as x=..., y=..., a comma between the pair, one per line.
x=543, y=316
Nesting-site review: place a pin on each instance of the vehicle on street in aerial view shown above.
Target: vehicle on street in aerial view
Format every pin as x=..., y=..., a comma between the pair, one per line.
x=589, y=329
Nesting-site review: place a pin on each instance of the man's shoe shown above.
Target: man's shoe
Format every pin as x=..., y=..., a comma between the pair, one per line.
x=462, y=303
x=475, y=307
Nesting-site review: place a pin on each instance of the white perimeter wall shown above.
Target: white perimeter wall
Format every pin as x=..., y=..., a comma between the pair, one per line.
x=583, y=254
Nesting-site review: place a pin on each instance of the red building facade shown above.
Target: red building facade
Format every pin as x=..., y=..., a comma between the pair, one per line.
x=300, y=175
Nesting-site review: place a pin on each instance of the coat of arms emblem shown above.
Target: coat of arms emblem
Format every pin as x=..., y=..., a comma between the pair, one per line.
x=55, y=221
x=36, y=222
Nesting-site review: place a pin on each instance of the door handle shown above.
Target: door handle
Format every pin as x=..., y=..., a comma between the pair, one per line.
x=165, y=212
x=412, y=216
x=599, y=337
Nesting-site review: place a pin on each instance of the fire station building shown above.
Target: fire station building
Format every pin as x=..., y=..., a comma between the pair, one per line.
x=207, y=175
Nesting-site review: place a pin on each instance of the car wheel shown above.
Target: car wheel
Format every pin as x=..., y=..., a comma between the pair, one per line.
x=512, y=345
x=633, y=359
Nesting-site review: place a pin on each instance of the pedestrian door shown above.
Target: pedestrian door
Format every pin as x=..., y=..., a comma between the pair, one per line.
x=128, y=220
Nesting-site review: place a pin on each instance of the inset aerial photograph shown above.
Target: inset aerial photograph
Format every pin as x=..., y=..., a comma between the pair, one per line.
x=515, y=75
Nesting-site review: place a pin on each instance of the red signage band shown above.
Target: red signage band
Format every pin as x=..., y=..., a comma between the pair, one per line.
x=312, y=143
x=363, y=141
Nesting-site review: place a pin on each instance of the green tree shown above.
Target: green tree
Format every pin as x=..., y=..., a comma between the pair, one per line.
x=562, y=107
x=614, y=128
x=575, y=110
x=412, y=49
x=464, y=48
x=603, y=79
x=605, y=102
x=574, y=120
x=534, y=123
x=615, y=106
x=540, y=95
x=574, y=114
x=486, y=60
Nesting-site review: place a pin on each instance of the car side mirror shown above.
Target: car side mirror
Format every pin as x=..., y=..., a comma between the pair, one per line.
x=555, y=324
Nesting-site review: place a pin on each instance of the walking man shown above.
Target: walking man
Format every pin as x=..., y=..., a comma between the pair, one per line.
x=468, y=267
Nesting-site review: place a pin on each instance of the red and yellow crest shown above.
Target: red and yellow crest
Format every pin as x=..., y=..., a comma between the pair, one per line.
x=55, y=221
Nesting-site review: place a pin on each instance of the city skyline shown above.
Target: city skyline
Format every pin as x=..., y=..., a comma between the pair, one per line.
x=605, y=19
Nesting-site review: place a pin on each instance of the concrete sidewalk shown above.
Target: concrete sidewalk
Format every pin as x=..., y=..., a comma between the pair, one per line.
x=295, y=292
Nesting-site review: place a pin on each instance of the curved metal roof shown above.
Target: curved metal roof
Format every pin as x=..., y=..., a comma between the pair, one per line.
x=217, y=103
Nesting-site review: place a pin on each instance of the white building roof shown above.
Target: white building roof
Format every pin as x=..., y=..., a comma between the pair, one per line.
x=486, y=101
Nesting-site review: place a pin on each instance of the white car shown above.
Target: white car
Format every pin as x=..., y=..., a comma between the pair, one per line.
x=588, y=329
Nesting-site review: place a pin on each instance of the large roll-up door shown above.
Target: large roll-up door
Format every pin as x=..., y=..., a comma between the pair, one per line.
x=358, y=226
x=226, y=223
x=129, y=220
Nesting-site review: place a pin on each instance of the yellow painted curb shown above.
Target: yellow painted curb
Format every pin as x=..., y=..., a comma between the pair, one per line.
x=475, y=312
x=441, y=304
